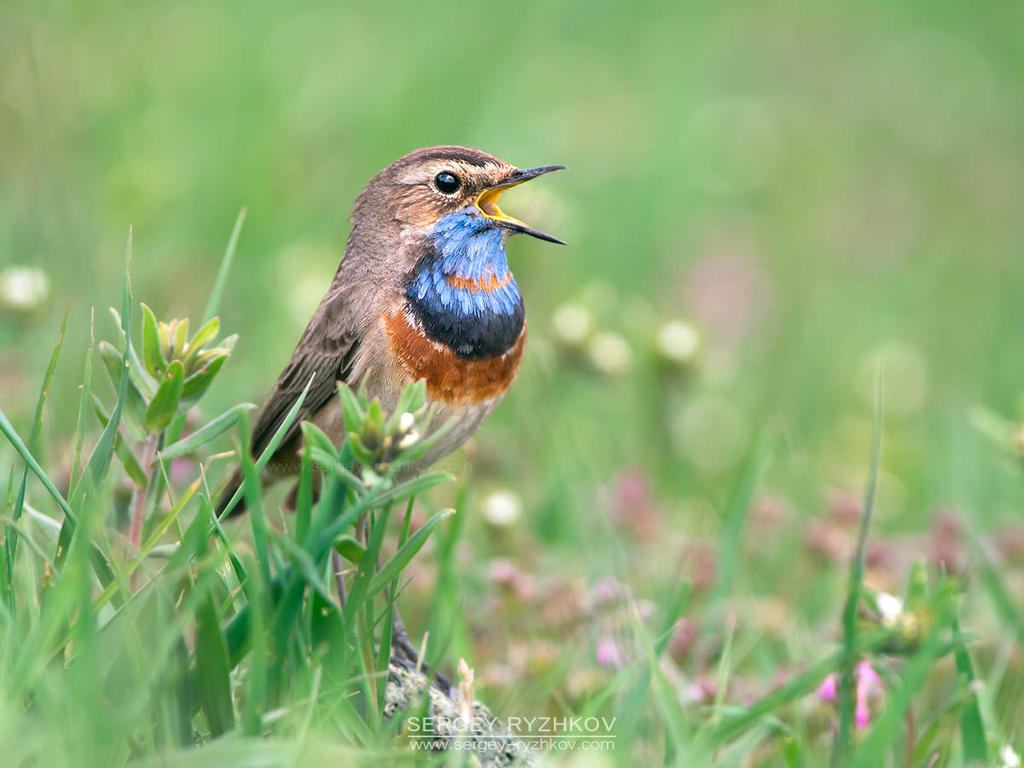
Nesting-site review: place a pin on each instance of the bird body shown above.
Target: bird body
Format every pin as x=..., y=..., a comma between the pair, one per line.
x=424, y=291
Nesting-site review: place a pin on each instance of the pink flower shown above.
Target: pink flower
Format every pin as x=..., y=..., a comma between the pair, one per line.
x=633, y=507
x=608, y=653
x=606, y=590
x=869, y=685
x=827, y=690
x=505, y=573
x=862, y=715
x=684, y=634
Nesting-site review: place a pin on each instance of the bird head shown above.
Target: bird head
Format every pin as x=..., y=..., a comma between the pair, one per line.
x=423, y=188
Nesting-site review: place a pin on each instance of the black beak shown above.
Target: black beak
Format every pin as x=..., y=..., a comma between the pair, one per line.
x=487, y=202
x=520, y=175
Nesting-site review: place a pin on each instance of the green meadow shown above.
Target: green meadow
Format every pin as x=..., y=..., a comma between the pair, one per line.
x=756, y=497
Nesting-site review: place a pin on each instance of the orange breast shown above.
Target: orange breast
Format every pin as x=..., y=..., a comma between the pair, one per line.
x=449, y=377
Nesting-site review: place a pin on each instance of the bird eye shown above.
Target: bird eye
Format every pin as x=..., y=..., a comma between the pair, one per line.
x=447, y=183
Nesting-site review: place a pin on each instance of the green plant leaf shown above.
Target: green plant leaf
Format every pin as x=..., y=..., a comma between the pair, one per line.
x=411, y=400
x=165, y=402
x=199, y=381
x=349, y=548
x=152, y=346
x=332, y=465
x=360, y=451
x=180, y=338
x=351, y=411
x=121, y=449
x=139, y=375
x=206, y=333
x=316, y=437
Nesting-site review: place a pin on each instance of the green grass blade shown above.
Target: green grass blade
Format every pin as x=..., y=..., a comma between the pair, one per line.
x=237, y=631
x=225, y=267
x=259, y=668
x=84, y=399
x=273, y=445
x=304, y=498
x=972, y=727
x=208, y=432
x=447, y=624
x=879, y=740
x=11, y=434
x=673, y=612
x=846, y=686
x=37, y=420
x=122, y=450
x=37, y=425
x=1003, y=601
x=388, y=628
x=327, y=462
x=151, y=542
x=670, y=710
x=29, y=541
x=406, y=552
x=99, y=460
x=360, y=592
x=213, y=667
x=731, y=538
x=795, y=688
x=413, y=487
x=253, y=492
x=325, y=534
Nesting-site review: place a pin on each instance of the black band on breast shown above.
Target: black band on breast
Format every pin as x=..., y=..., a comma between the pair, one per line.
x=470, y=336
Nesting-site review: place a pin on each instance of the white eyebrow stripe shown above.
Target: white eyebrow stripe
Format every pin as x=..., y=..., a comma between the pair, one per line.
x=425, y=173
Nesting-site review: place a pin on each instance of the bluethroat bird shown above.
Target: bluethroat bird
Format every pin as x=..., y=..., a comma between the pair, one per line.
x=423, y=291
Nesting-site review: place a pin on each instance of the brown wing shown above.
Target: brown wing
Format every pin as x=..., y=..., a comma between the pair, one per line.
x=325, y=354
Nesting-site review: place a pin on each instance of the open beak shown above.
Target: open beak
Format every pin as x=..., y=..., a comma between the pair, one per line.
x=487, y=201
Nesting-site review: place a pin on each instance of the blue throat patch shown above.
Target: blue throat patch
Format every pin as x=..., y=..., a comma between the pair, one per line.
x=474, y=322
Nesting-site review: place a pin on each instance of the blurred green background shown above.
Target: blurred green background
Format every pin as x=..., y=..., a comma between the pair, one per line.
x=808, y=187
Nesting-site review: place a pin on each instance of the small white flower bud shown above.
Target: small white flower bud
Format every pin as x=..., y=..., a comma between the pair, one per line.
x=502, y=508
x=889, y=607
x=409, y=439
x=610, y=353
x=405, y=421
x=678, y=342
x=572, y=324
x=23, y=288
